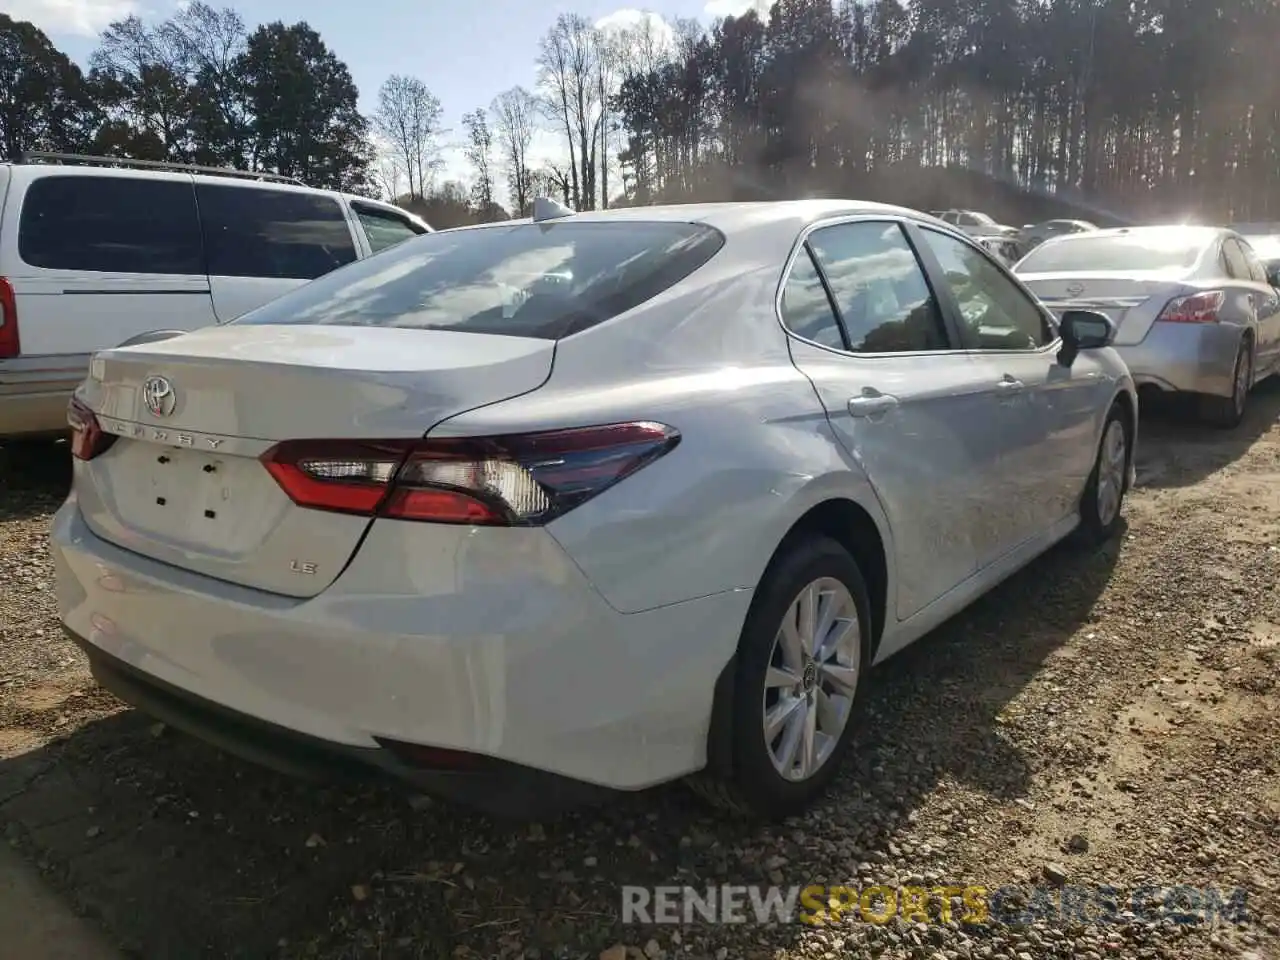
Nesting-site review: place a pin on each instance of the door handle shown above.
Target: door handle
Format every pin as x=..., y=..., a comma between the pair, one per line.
x=871, y=404
x=1010, y=385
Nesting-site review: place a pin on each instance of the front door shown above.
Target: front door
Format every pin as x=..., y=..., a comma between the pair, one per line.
x=1047, y=412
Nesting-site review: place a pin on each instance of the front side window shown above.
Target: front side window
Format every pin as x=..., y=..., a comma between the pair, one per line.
x=383, y=228
x=879, y=288
x=996, y=314
x=250, y=231
x=543, y=280
x=111, y=224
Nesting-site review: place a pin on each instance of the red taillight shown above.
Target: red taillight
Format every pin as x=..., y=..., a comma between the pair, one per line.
x=519, y=480
x=87, y=437
x=1194, y=308
x=9, y=346
x=343, y=477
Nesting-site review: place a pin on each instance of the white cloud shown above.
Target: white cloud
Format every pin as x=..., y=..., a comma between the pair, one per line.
x=85, y=18
x=628, y=18
x=736, y=8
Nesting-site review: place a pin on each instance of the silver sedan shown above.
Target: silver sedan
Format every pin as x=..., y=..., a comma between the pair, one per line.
x=530, y=511
x=1193, y=307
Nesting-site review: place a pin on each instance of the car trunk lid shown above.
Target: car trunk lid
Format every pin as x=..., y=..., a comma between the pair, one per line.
x=1132, y=301
x=183, y=482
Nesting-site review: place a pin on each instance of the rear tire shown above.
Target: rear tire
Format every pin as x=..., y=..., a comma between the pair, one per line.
x=801, y=659
x=1102, y=504
x=1226, y=413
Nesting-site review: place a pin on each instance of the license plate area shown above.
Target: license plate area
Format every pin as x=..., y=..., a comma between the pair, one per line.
x=186, y=486
x=203, y=503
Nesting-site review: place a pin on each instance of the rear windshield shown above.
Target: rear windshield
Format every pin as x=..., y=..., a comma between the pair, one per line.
x=545, y=280
x=1122, y=253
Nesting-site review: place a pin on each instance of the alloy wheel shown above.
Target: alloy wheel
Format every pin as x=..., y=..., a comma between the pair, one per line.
x=812, y=676
x=1111, y=468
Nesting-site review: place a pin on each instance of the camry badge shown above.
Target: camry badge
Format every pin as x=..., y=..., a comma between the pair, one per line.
x=158, y=395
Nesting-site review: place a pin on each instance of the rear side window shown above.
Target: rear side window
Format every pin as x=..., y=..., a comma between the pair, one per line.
x=806, y=308
x=1237, y=266
x=546, y=280
x=111, y=225
x=279, y=234
x=383, y=228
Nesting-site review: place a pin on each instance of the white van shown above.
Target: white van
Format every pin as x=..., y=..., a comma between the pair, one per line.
x=97, y=251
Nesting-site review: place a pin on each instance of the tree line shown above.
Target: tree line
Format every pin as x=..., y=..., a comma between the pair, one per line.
x=1136, y=108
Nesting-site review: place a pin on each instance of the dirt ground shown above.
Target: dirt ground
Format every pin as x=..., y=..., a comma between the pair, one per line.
x=1105, y=718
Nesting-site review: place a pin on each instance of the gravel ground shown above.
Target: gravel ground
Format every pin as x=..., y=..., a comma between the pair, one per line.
x=1099, y=719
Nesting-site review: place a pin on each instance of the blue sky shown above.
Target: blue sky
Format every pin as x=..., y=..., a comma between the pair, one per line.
x=465, y=52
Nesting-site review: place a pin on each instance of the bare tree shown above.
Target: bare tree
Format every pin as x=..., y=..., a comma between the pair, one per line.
x=641, y=48
x=205, y=37
x=149, y=75
x=479, y=152
x=553, y=180
x=514, y=118
x=567, y=74
x=408, y=117
x=387, y=172
x=606, y=81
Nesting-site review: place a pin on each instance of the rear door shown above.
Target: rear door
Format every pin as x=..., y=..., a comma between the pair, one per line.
x=265, y=241
x=907, y=405
x=98, y=257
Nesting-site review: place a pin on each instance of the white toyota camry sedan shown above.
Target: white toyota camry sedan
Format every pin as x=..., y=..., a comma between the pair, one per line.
x=535, y=511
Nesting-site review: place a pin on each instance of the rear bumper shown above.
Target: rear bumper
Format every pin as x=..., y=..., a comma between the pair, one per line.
x=493, y=646
x=494, y=787
x=34, y=392
x=1185, y=357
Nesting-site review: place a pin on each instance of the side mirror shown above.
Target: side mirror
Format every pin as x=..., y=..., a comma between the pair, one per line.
x=1083, y=330
x=1273, y=275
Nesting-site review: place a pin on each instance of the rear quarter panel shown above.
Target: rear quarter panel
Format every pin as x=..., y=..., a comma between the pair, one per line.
x=756, y=451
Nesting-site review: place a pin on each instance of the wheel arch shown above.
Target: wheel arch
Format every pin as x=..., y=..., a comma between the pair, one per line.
x=857, y=529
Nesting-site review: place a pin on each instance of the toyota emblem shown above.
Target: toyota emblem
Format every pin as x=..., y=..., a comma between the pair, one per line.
x=1075, y=289
x=158, y=395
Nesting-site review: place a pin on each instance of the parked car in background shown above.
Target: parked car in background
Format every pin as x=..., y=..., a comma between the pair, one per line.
x=1034, y=234
x=1194, y=309
x=976, y=224
x=92, y=256
x=1002, y=248
x=715, y=465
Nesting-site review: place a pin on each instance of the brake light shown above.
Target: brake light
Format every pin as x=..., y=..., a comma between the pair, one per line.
x=88, y=439
x=1195, y=308
x=518, y=480
x=9, y=346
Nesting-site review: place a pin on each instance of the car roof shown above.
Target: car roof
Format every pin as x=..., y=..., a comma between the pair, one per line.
x=734, y=216
x=104, y=168
x=1193, y=233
